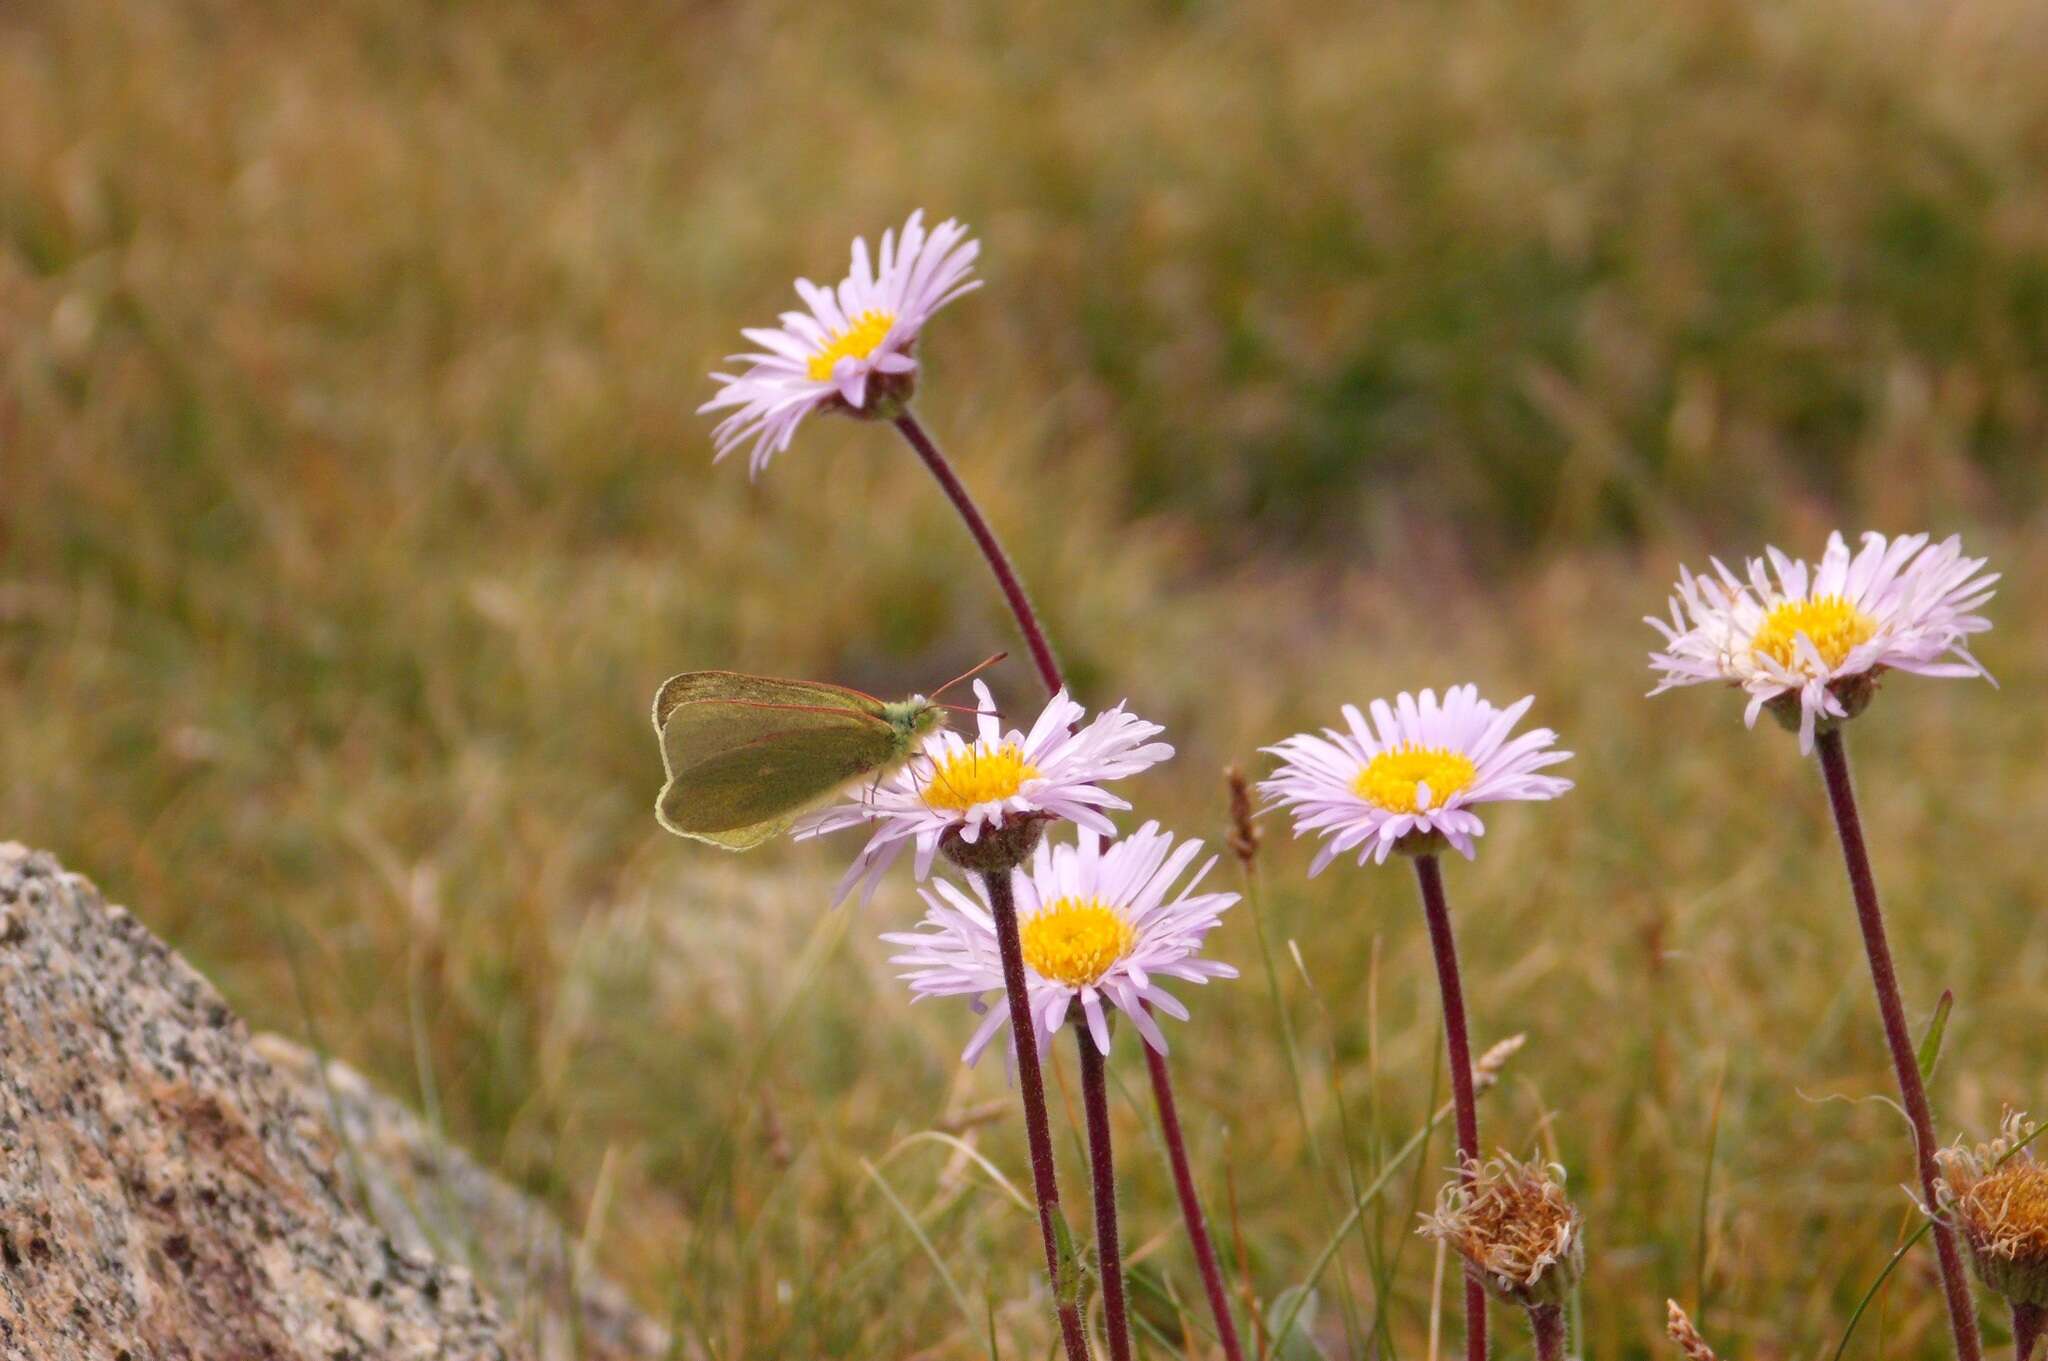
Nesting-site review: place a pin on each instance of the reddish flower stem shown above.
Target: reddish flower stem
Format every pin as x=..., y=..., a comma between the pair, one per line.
x=1049, y=672
x=1031, y=1085
x=1834, y=764
x=998, y=561
x=1548, y=1321
x=1191, y=1205
x=1463, y=1099
x=1109, y=1250
x=2027, y=1326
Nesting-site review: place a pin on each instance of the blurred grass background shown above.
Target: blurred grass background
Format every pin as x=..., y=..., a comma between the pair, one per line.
x=352, y=506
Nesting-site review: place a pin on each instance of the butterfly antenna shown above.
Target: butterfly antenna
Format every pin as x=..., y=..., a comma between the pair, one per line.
x=969, y=674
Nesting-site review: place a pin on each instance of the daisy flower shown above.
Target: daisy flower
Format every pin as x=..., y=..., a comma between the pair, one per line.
x=1415, y=772
x=1813, y=639
x=1097, y=927
x=851, y=349
x=963, y=789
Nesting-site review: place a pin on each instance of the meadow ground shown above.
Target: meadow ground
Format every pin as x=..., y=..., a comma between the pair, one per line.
x=352, y=507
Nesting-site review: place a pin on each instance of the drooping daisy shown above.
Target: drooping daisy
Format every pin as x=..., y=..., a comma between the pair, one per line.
x=852, y=348
x=1411, y=776
x=967, y=790
x=1818, y=636
x=1096, y=926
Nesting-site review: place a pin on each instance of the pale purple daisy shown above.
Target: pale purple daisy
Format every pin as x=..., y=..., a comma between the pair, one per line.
x=852, y=349
x=1097, y=927
x=1818, y=635
x=1415, y=772
x=955, y=786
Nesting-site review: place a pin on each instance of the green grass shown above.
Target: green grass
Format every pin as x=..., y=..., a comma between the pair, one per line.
x=352, y=507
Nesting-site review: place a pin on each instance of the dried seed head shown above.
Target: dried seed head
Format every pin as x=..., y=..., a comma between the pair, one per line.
x=1686, y=1336
x=1514, y=1224
x=1244, y=833
x=1486, y=1071
x=1997, y=1194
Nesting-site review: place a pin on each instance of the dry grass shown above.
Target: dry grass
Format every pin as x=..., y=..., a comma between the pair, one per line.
x=351, y=508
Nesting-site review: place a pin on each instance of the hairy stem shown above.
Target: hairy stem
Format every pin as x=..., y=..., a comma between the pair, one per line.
x=1834, y=763
x=1049, y=672
x=1037, y=1131
x=991, y=549
x=1102, y=1166
x=1463, y=1100
x=1191, y=1206
x=2027, y=1324
x=1548, y=1321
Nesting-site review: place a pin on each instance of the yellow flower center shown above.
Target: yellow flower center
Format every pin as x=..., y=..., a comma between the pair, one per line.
x=977, y=775
x=1075, y=941
x=1836, y=627
x=857, y=341
x=1393, y=780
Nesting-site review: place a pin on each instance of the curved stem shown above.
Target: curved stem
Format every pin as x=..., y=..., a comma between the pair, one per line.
x=1109, y=1252
x=1037, y=1131
x=1834, y=763
x=1049, y=672
x=1191, y=1205
x=998, y=561
x=1463, y=1100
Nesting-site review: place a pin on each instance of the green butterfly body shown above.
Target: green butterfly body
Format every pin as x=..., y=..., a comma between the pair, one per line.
x=745, y=756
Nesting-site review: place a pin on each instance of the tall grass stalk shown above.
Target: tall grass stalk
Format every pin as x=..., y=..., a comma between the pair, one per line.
x=1048, y=668
x=1834, y=762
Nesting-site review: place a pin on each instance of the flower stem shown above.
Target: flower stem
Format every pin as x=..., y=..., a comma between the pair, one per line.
x=1191, y=1206
x=1037, y=1131
x=2027, y=1324
x=1834, y=763
x=1049, y=672
x=1102, y=1164
x=1548, y=1321
x=998, y=561
x=1463, y=1101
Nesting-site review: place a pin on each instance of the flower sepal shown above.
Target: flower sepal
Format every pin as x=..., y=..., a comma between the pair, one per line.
x=888, y=397
x=996, y=850
x=1852, y=693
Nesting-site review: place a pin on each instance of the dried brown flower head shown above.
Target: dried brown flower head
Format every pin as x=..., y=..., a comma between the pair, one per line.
x=1685, y=1335
x=1515, y=1225
x=1997, y=1194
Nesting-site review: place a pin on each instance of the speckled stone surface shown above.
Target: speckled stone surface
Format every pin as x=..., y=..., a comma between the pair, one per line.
x=431, y=1197
x=164, y=1196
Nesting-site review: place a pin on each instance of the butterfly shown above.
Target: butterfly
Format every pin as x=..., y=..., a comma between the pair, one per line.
x=745, y=756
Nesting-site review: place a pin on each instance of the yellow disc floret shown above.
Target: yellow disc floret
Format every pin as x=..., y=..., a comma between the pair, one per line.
x=977, y=774
x=1836, y=627
x=1395, y=779
x=1075, y=941
x=857, y=341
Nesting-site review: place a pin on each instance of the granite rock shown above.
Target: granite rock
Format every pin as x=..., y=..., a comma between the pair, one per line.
x=164, y=1194
x=434, y=1199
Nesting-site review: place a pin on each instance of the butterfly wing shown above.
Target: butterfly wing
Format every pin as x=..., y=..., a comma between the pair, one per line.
x=739, y=772
x=699, y=713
